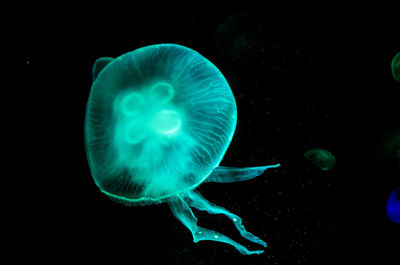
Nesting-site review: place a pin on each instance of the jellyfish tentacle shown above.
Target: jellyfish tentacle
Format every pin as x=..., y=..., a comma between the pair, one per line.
x=196, y=200
x=234, y=174
x=99, y=65
x=184, y=214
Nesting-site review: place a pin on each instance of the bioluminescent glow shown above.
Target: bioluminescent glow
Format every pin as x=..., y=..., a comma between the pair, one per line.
x=158, y=122
x=396, y=67
x=322, y=158
x=393, y=206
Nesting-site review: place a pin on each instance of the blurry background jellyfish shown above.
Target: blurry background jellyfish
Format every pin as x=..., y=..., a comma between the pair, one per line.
x=396, y=67
x=158, y=122
x=393, y=206
x=239, y=38
x=392, y=145
x=389, y=148
x=322, y=158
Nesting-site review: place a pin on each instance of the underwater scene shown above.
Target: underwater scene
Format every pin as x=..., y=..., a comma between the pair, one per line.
x=209, y=135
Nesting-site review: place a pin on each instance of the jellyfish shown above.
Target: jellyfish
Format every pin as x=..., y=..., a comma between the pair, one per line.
x=158, y=122
x=393, y=206
x=240, y=38
x=321, y=158
x=396, y=67
x=391, y=144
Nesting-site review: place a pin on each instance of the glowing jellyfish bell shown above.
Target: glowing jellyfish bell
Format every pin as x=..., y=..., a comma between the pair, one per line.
x=158, y=121
x=393, y=206
x=322, y=158
x=396, y=67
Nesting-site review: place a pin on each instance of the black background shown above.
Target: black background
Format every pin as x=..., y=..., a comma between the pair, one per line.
x=313, y=77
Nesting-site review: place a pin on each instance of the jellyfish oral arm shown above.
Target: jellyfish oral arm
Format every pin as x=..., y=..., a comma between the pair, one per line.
x=196, y=200
x=180, y=208
x=233, y=174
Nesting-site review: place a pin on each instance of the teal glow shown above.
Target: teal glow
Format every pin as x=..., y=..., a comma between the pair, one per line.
x=162, y=91
x=132, y=103
x=166, y=122
x=99, y=65
x=158, y=122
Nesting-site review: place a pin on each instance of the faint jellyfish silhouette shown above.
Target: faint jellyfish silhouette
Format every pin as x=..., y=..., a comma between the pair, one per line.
x=393, y=144
x=393, y=206
x=390, y=147
x=322, y=158
x=396, y=67
x=240, y=38
x=158, y=122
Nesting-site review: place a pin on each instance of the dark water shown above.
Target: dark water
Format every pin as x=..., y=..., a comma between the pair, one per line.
x=303, y=78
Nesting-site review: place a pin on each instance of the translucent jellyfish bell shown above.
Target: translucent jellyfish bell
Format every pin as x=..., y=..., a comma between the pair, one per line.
x=393, y=206
x=322, y=158
x=158, y=122
x=396, y=67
